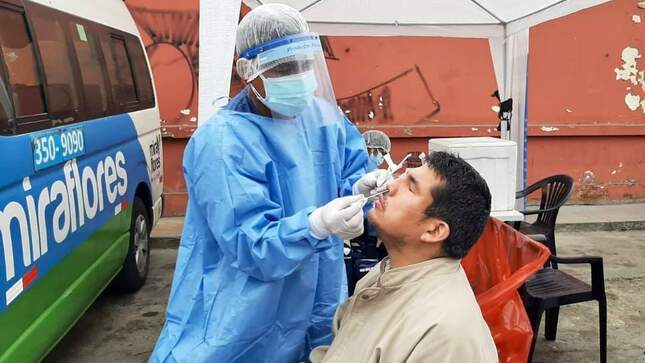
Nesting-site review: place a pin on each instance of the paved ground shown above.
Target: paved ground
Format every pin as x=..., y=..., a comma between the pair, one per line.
x=124, y=328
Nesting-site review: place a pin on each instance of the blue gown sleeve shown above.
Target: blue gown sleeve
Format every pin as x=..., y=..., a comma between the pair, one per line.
x=356, y=160
x=233, y=193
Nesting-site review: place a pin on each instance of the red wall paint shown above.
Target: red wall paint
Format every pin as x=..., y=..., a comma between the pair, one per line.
x=573, y=86
x=170, y=33
x=440, y=87
x=572, y=63
x=455, y=73
x=604, y=168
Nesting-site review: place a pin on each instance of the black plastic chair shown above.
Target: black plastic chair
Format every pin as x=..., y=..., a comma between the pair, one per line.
x=556, y=190
x=551, y=288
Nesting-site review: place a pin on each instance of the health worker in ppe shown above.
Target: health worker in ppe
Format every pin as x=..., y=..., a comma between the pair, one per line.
x=276, y=181
x=378, y=145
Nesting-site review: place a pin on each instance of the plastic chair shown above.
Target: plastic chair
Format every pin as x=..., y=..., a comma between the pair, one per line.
x=497, y=266
x=556, y=190
x=551, y=288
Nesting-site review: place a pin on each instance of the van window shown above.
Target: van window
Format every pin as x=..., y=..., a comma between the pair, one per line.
x=89, y=61
x=144, y=83
x=5, y=108
x=62, y=95
x=125, y=90
x=18, y=55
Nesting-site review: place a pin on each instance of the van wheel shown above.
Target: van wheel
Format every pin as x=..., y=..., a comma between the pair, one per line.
x=135, y=267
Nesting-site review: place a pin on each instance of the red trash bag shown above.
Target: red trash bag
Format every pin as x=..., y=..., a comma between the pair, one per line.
x=496, y=266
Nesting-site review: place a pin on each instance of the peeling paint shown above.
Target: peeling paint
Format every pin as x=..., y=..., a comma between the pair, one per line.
x=613, y=172
x=589, y=189
x=193, y=119
x=495, y=108
x=407, y=131
x=641, y=4
x=549, y=128
x=629, y=70
x=568, y=110
x=474, y=129
x=636, y=19
x=370, y=115
x=587, y=177
x=489, y=130
x=620, y=165
x=185, y=112
x=632, y=101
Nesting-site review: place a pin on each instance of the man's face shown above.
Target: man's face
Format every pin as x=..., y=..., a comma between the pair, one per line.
x=398, y=215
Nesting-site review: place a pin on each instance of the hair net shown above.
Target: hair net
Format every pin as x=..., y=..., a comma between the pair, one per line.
x=268, y=22
x=377, y=139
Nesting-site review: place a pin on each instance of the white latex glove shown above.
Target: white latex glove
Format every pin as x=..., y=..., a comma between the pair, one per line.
x=342, y=217
x=371, y=181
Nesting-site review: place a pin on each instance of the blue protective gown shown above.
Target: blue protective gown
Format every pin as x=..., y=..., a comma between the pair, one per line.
x=251, y=284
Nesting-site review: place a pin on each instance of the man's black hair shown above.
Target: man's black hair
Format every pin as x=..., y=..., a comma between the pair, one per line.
x=462, y=200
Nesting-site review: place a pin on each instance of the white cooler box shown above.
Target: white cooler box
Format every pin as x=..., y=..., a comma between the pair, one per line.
x=494, y=159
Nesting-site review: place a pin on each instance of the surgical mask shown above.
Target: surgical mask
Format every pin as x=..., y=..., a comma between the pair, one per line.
x=377, y=159
x=289, y=95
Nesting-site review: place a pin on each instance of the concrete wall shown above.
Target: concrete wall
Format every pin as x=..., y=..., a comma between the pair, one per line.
x=579, y=123
x=415, y=88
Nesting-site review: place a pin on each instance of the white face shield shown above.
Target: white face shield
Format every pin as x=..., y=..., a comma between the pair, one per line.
x=295, y=77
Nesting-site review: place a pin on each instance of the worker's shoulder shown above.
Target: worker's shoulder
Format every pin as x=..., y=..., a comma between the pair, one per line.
x=228, y=132
x=226, y=121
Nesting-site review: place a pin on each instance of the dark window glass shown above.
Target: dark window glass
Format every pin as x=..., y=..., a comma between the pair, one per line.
x=124, y=88
x=144, y=83
x=105, y=41
x=61, y=87
x=89, y=61
x=5, y=107
x=18, y=55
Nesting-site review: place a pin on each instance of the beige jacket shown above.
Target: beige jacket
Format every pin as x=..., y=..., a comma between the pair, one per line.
x=424, y=312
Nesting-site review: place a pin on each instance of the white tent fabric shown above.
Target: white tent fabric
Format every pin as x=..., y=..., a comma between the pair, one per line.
x=217, y=26
x=516, y=14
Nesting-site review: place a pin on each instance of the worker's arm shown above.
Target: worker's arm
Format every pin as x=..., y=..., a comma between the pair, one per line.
x=232, y=191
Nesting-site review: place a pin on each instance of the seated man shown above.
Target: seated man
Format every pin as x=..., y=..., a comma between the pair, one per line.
x=417, y=305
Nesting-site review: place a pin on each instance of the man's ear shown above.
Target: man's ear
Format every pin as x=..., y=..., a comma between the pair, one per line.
x=435, y=231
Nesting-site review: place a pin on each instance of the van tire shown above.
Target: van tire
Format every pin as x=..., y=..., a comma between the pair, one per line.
x=136, y=264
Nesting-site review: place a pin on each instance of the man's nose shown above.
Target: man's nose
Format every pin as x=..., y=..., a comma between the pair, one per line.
x=392, y=186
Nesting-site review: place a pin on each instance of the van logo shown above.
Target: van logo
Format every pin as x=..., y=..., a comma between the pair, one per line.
x=155, y=155
x=75, y=200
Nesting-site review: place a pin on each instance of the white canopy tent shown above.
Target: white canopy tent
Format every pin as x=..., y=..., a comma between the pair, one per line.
x=505, y=23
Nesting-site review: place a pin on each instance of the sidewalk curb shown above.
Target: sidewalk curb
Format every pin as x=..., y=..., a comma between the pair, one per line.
x=172, y=242
x=600, y=226
x=165, y=242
